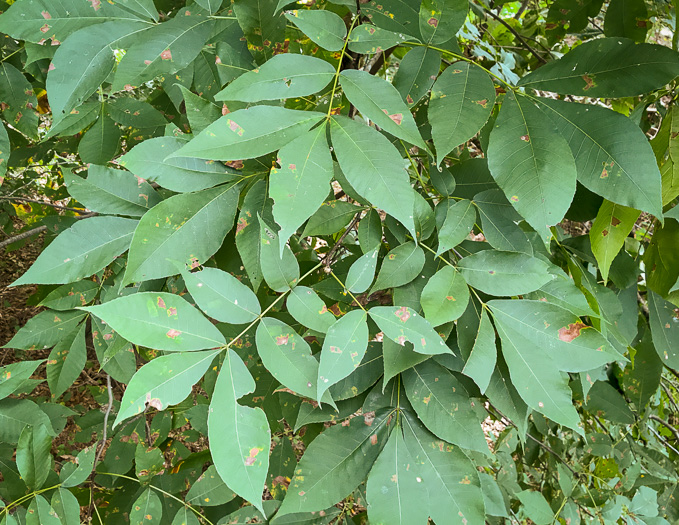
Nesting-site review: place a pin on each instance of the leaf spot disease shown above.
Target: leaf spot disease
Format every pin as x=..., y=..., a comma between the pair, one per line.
x=45, y=28
x=282, y=339
x=96, y=4
x=403, y=314
x=525, y=138
x=235, y=127
x=46, y=15
x=433, y=22
x=570, y=332
x=161, y=303
x=166, y=55
x=172, y=333
x=250, y=460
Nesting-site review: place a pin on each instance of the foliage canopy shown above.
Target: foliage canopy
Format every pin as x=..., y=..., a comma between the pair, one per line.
x=394, y=261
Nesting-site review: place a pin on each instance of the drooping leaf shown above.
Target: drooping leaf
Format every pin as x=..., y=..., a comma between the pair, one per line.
x=239, y=435
x=363, y=377
x=13, y=376
x=262, y=25
x=400, y=266
x=16, y=414
x=74, y=473
x=133, y=113
x=532, y=164
x=563, y=292
x=46, y=329
x=158, y=320
x=84, y=61
x=249, y=133
x=504, y=273
x=66, y=506
x=440, y=20
x=393, y=489
x=221, y=296
x=604, y=400
x=461, y=101
x=248, y=235
x=147, y=509
x=362, y=272
x=101, y=142
x=641, y=379
x=481, y=362
x=498, y=220
x=33, y=456
x=106, y=190
x=283, y=76
x=40, y=512
x=335, y=463
x=343, y=349
x=66, y=361
x=280, y=268
x=626, y=18
x=164, y=49
x=4, y=151
x=367, y=38
x=609, y=230
x=401, y=324
x=608, y=68
x=448, y=475
x=181, y=230
x=149, y=161
x=330, y=218
x=394, y=15
x=536, y=507
x=612, y=155
x=18, y=100
x=325, y=28
x=444, y=297
x=664, y=328
x=459, y=221
x=370, y=231
x=209, y=490
x=301, y=184
x=374, y=169
x=309, y=309
x=444, y=406
x=379, y=101
x=416, y=73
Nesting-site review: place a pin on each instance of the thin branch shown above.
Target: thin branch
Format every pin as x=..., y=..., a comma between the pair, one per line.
x=518, y=36
x=665, y=442
x=327, y=261
x=664, y=423
x=57, y=206
x=106, y=415
x=37, y=230
x=669, y=397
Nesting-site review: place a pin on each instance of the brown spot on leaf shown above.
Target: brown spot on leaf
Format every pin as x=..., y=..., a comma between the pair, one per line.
x=96, y=4
x=166, y=55
x=161, y=303
x=373, y=439
x=589, y=82
x=45, y=28
x=604, y=233
x=570, y=332
x=282, y=340
x=46, y=15
x=615, y=221
x=402, y=313
x=525, y=138
x=172, y=333
x=433, y=22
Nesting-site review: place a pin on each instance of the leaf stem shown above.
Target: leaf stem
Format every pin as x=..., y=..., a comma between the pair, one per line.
x=347, y=290
x=339, y=66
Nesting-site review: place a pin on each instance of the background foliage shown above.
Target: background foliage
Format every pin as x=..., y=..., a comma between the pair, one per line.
x=339, y=262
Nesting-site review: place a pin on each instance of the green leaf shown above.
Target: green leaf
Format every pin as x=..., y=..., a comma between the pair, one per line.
x=324, y=28
x=112, y=191
x=13, y=375
x=400, y=266
x=535, y=372
x=459, y=221
x=504, y=273
x=283, y=76
x=18, y=100
x=362, y=272
x=66, y=361
x=66, y=506
x=393, y=489
x=181, y=230
x=280, y=272
x=164, y=49
x=309, y=309
x=370, y=231
x=441, y=19
x=374, y=168
x=563, y=292
x=143, y=7
x=16, y=414
x=444, y=406
x=536, y=507
x=40, y=512
x=461, y=101
x=394, y=15
x=45, y=329
x=185, y=515
x=612, y=155
x=343, y=349
x=444, y=297
x=209, y=490
x=627, y=18
x=664, y=328
x=221, y=296
x=450, y=478
x=76, y=472
x=159, y=320
x=149, y=161
x=335, y=463
x=398, y=358
x=363, y=377
x=248, y=239
x=249, y=133
x=641, y=378
x=164, y=381
x=147, y=509
x=498, y=218
x=84, y=61
x=300, y=185
x=662, y=259
x=558, y=333
x=240, y=438
x=210, y=5
x=287, y=356
x=379, y=101
x=77, y=120
x=481, y=362
x=607, y=68
x=133, y=113
x=609, y=230
x=330, y=218
x=5, y=147
x=37, y=20
x=416, y=73
x=367, y=39
x=115, y=354
x=200, y=112
x=401, y=324
x=101, y=142
x=262, y=26
x=532, y=164
x=604, y=400
x=33, y=457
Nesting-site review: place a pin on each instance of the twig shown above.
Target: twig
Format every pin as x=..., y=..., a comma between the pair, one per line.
x=669, y=397
x=34, y=231
x=108, y=412
x=665, y=442
x=57, y=206
x=327, y=261
x=518, y=36
x=664, y=423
